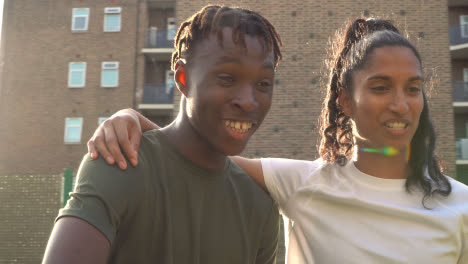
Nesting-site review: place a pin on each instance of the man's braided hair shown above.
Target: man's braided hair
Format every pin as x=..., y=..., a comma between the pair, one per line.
x=212, y=19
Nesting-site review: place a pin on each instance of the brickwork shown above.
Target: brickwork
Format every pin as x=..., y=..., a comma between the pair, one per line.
x=29, y=207
x=37, y=45
x=290, y=129
x=35, y=96
x=34, y=108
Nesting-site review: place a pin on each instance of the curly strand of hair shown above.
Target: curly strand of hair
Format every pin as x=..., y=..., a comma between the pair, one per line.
x=275, y=39
x=331, y=145
x=337, y=138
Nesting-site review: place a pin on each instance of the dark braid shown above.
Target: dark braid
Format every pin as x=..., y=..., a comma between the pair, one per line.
x=212, y=19
x=351, y=53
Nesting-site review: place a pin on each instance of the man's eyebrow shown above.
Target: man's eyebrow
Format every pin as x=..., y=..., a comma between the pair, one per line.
x=416, y=78
x=227, y=59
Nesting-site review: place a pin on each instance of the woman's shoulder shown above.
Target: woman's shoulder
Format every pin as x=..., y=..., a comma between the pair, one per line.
x=459, y=189
x=296, y=171
x=458, y=197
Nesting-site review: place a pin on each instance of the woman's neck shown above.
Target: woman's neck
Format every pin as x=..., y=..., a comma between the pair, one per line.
x=381, y=166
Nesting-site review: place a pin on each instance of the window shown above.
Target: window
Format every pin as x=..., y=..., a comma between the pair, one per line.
x=73, y=127
x=80, y=19
x=110, y=74
x=101, y=120
x=76, y=74
x=169, y=81
x=112, y=19
x=465, y=75
x=464, y=26
x=171, y=28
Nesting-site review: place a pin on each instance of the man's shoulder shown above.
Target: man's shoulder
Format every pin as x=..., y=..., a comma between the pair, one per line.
x=152, y=147
x=100, y=174
x=151, y=139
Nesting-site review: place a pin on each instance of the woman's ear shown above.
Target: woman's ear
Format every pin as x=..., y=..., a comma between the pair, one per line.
x=345, y=102
x=180, y=77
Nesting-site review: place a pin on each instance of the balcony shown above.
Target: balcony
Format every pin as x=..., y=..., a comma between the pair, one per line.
x=460, y=91
x=159, y=44
x=157, y=38
x=461, y=147
x=158, y=93
x=459, y=41
x=451, y=3
x=160, y=3
x=458, y=35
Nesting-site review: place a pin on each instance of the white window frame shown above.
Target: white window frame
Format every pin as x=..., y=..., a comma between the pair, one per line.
x=65, y=130
x=75, y=16
x=101, y=120
x=70, y=73
x=115, y=68
x=464, y=23
x=112, y=11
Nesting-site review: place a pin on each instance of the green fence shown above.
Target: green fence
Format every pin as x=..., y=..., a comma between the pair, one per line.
x=67, y=185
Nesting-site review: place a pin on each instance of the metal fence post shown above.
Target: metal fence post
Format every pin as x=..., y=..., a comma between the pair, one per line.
x=67, y=184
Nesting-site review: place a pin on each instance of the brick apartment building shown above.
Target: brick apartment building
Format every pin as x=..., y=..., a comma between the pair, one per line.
x=69, y=64
x=458, y=28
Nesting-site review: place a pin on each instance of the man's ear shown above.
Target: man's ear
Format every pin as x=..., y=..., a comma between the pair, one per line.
x=180, y=77
x=345, y=101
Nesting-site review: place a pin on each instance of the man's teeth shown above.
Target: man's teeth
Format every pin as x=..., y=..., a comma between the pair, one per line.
x=240, y=127
x=396, y=125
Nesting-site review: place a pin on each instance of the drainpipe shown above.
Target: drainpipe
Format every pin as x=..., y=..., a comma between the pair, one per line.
x=135, y=66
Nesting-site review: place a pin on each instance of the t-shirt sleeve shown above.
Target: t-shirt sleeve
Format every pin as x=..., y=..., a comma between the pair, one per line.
x=284, y=176
x=269, y=243
x=103, y=195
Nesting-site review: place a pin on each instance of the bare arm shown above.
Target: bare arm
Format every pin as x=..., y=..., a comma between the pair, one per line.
x=253, y=167
x=123, y=128
x=73, y=240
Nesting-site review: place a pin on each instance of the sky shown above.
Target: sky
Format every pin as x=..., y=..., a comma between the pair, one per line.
x=1, y=16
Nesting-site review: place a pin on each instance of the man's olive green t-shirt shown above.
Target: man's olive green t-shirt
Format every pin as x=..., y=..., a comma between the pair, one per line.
x=168, y=209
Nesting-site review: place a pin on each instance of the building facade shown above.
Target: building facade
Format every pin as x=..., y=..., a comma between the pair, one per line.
x=458, y=28
x=68, y=65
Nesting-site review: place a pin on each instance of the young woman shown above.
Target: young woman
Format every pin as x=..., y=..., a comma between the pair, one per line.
x=377, y=194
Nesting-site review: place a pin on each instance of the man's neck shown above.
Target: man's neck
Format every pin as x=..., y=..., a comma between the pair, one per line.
x=188, y=141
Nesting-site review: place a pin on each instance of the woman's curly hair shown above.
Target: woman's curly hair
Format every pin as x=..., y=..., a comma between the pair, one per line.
x=351, y=53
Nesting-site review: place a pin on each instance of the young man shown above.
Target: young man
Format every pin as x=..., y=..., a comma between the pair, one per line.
x=186, y=201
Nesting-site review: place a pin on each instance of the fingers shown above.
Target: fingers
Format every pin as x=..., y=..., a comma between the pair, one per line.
x=92, y=150
x=120, y=133
x=132, y=151
x=97, y=145
x=114, y=135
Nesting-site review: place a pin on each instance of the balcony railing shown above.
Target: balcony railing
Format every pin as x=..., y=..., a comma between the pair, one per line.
x=157, y=38
x=459, y=34
x=460, y=91
x=158, y=93
x=461, y=145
